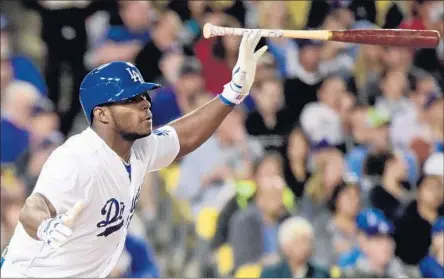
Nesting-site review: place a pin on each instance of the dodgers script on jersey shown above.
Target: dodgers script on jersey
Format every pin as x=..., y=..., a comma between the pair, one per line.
x=85, y=168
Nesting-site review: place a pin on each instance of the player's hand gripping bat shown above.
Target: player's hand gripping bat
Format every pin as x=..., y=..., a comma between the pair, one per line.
x=56, y=231
x=384, y=37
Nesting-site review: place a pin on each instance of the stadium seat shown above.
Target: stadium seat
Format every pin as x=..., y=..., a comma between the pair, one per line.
x=224, y=260
x=298, y=11
x=171, y=177
x=248, y=271
x=335, y=272
x=206, y=222
x=382, y=8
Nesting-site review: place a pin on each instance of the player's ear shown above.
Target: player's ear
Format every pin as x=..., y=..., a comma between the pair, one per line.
x=102, y=114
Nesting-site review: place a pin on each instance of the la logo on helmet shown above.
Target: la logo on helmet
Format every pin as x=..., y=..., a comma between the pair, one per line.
x=135, y=76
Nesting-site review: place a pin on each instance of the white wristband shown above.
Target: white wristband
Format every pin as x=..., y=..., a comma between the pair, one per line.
x=232, y=94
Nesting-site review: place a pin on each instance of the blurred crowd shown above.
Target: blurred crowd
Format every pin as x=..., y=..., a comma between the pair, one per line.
x=333, y=166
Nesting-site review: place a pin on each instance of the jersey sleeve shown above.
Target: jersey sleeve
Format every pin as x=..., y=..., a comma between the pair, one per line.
x=159, y=149
x=61, y=181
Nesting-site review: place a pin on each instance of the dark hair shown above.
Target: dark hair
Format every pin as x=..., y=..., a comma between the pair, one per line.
x=374, y=165
x=336, y=192
x=218, y=49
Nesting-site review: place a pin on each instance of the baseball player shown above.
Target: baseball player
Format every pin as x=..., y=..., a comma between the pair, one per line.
x=75, y=222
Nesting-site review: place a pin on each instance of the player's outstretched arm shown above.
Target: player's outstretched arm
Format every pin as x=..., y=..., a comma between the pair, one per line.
x=196, y=127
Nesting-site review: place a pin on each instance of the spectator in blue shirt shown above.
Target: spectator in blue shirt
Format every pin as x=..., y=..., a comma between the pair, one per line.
x=374, y=256
x=171, y=102
x=16, y=66
x=378, y=143
x=432, y=266
x=143, y=262
x=137, y=260
x=18, y=103
x=123, y=42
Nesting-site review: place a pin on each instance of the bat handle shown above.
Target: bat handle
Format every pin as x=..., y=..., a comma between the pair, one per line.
x=73, y=213
x=210, y=30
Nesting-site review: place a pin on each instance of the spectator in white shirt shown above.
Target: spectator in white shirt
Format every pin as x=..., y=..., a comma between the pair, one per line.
x=394, y=88
x=323, y=120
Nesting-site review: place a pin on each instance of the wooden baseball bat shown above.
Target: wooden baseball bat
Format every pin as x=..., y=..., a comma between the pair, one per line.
x=383, y=37
x=73, y=213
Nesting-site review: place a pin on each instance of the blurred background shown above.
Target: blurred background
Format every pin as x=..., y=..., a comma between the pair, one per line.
x=333, y=166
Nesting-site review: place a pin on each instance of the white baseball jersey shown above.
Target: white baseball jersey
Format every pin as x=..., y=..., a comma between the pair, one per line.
x=86, y=168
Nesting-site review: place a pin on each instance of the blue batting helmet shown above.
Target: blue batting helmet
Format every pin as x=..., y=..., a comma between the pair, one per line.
x=109, y=83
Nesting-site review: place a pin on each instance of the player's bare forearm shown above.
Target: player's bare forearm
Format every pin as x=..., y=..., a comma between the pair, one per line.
x=197, y=126
x=36, y=209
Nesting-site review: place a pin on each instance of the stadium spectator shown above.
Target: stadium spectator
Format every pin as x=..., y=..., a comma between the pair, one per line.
x=375, y=139
x=397, y=59
x=269, y=122
x=339, y=235
x=219, y=55
x=339, y=58
x=45, y=123
x=171, y=102
x=432, y=266
x=304, y=78
x=414, y=121
x=435, y=118
x=368, y=66
x=393, y=190
x=374, y=255
x=413, y=228
x=124, y=42
x=15, y=66
x=253, y=232
x=328, y=171
x=432, y=60
x=44, y=138
x=393, y=100
x=193, y=15
x=296, y=168
x=63, y=31
x=275, y=15
x=269, y=164
x=18, y=104
x=421, y=11
x=353, y=10
x=164, y=39
x=361, y=124
x=232, y=154
x=295, y=232
x=324, y=120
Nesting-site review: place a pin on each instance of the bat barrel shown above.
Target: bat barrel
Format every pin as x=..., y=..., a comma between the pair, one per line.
x=388, y=37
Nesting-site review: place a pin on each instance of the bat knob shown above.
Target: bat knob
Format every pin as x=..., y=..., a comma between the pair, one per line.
x=207, y=30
